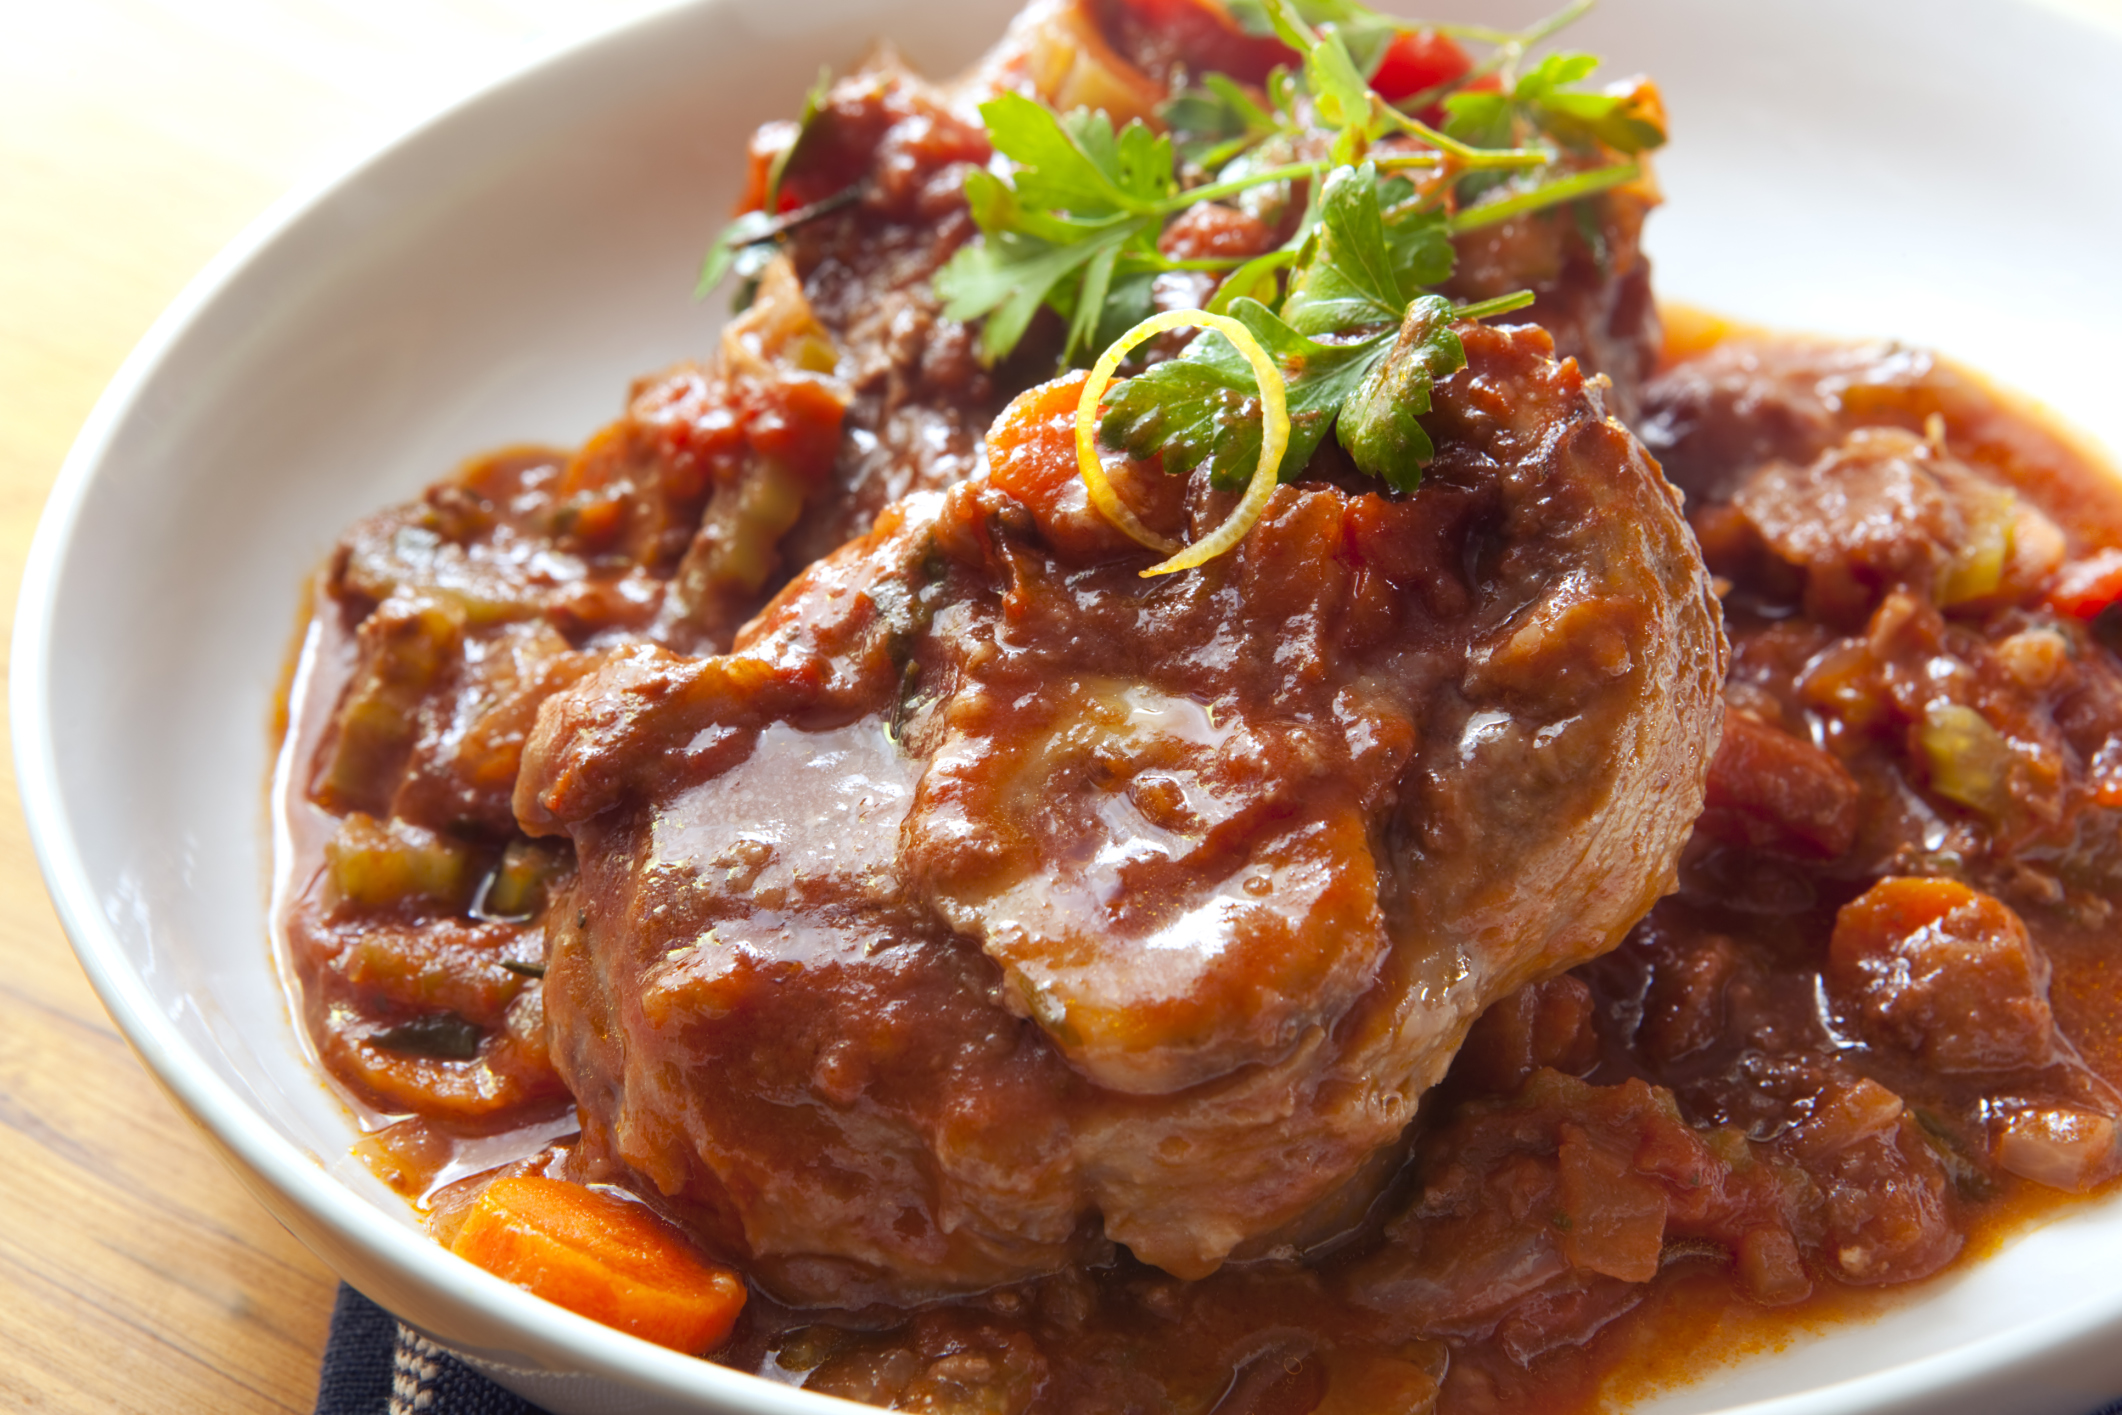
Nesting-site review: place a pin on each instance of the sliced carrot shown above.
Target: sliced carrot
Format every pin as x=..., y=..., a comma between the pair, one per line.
x=608, y=1259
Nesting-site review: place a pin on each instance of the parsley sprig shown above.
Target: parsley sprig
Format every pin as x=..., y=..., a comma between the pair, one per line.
x=1360, y=342
x=1074, y=227
x=1364, y=269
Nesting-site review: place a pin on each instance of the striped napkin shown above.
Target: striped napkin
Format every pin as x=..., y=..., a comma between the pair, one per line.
x=374, y=1364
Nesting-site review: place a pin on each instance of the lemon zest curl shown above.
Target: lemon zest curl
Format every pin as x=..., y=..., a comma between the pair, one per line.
x=1274, y=437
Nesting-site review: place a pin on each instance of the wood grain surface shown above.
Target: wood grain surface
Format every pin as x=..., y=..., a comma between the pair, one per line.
x=136, y=139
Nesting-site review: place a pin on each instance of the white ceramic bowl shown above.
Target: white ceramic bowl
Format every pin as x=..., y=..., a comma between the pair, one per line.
x=1941, y=170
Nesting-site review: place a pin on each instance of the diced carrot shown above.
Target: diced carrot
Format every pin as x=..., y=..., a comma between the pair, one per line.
x=1934, y=967
x=610, y=1260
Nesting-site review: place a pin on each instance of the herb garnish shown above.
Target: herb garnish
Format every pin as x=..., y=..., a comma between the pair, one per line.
x=1360, y=271
x=1071, y=211
x=1071, y=224
x=1268, y=445
x=1075, y=227
x=748, y=242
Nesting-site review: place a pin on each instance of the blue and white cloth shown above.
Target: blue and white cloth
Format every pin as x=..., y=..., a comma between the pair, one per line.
x=374, y=1364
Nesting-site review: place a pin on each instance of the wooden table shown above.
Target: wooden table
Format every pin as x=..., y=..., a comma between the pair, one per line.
x=136, y=138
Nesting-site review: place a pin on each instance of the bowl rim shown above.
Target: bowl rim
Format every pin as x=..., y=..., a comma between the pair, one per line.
x=288, y=1180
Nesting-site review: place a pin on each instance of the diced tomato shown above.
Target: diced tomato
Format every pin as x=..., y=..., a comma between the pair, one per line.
x=2085, y=587
x=1771, y=790
x=1417, y=60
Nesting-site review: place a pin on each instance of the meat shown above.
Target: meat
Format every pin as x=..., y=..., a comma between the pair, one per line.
x=988, y=903
x=1906, y=854
x=838, y=388
x=920, y=399
x=1885, y=509
x=1714, y=420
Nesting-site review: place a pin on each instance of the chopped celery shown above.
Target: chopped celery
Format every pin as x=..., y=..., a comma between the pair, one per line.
x=515, y=890
x=378, y=864
x=1970, y=762
x=406, y=645
x=1977, y=566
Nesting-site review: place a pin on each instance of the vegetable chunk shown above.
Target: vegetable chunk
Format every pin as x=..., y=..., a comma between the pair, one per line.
x=607, y=1259
x=1945, y=971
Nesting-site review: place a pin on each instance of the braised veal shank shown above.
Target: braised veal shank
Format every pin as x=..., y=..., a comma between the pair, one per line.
x=990, y=902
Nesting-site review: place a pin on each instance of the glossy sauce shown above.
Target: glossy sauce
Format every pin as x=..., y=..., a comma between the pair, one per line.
x=1118, y=1334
